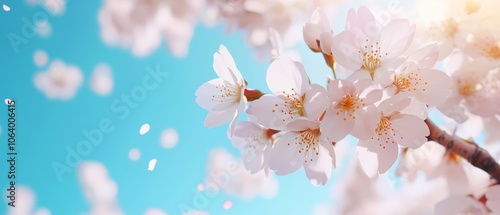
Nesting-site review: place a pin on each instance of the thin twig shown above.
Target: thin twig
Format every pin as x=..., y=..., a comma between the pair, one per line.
x=476, y=155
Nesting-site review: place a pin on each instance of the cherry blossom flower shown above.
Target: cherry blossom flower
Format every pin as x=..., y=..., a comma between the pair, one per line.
x=140, y=26
x=255, y=17
x=304, y=146
x=393, y=129
x=349, y=102
x=475, y=89
x=100, y=190
x=416, y=76
x=228, y=174
x=366, y=46
x=224, y=96
x=483, y=43
x=60, y=81
x=461, y=177
x=318, y=33
x=293, y=97
x=446, y=22
x=26, y=203
x=255, y=143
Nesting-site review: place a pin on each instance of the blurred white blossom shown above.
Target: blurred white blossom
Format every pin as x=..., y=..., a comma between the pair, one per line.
x=60, y=81
x=141, y=25
x=227, y=173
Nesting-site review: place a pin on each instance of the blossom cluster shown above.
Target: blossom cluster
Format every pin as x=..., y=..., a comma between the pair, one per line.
x=140, y=26
x=382, y=101
x=467, y=34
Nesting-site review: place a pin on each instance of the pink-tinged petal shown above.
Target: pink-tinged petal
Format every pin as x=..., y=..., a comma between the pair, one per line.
x=365, y=25
x=370, y=92
x=239, y=109
x=313, y=29
x=206, y=93
x=284, y=75
x=410, y=130
x=243, y=130
x=366, y=121
x=368, y=160
x=311, y=36
x=434, y=88
x=285, y=158
x=346, y=49
x=335, y=126
x=493, y=199
x=319, y=18
x=315, y=102
x=302, y=124
x=276, y=43
x=416, y=108
x=227, y=59
x=319, y=169
x=395, y=103
x=359, y=75
x=252, y=161
x=331, y=149
x=457, y=177
x=425, y=57
x=484, y=105
x=352, y=19
x=268, y=111
x=396, y=37
x=460, y=205
x=326, y=42
x=337, y=89
x=217, y=118
x=452, y=108
x=386, y=156
x=383, y=77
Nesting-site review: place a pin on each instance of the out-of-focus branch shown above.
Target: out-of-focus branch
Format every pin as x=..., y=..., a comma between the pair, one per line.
x=476, y=155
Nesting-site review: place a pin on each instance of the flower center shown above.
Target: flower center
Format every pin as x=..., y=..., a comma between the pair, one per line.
x=493, y=51
x=467, y=88
x=228, y=93
x=488, y=47
x=256, y=142
x=307, y=143
x=450, y=27
x=472, y=6
x=385, y=132
x=371, y=57
x=408, y=82
x=58, y=79
x=348, y=105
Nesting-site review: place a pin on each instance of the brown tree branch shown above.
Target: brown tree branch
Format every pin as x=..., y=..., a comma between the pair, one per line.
x=476, y=155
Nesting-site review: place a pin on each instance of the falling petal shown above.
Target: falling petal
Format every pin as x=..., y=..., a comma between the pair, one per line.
x=101, y=80
x=6, y=8
x=169, y=138
x=144, y=129
x=134, y=154
x=227, y=205
x=152, y=164
x=43, y=28
x=200, y=187
x=40, y=58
